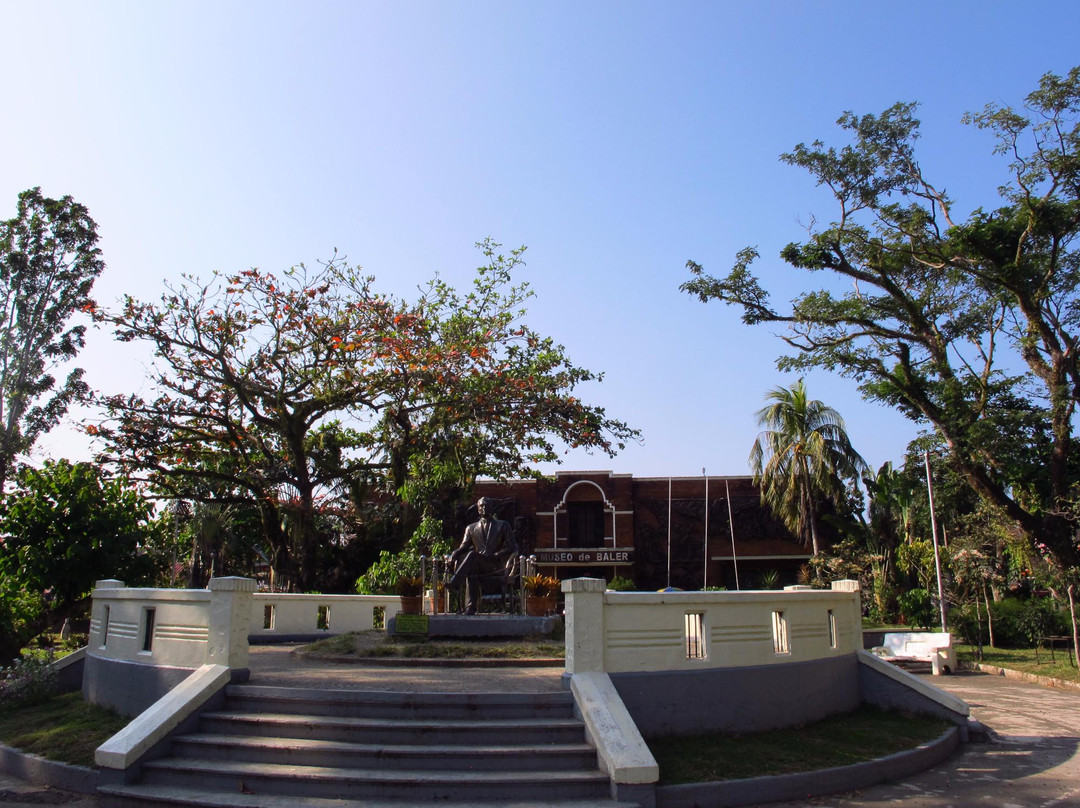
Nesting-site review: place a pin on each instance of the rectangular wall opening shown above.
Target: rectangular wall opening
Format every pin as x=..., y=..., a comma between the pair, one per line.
x=269, y=617
x=832, y=630
x=378, y=618
x=781, y=643
x=322, y=619
x=695, y=635
x=148, y=629
x=105, y=628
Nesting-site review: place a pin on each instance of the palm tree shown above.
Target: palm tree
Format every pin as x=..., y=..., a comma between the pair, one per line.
x=802, y=457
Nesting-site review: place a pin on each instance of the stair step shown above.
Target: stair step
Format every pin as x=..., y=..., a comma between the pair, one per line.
x=390, y=731
x=139, y=795
x=281, y=779
x=381, y=704
x=340, y=754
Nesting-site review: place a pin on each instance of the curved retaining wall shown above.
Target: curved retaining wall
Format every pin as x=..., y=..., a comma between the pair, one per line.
x=752, y=791
x=745, y=699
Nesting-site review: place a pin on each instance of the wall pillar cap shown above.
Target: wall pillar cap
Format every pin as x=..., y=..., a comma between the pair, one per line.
x=575, y=585
x=109, y=583
x=232, y=584
x=846, y=585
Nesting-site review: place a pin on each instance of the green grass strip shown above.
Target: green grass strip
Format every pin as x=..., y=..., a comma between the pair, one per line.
x=361, y=645
x=64, y=728
x=840, y=740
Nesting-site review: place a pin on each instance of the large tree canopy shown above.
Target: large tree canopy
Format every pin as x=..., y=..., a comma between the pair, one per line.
x=934, y=310
x=48, y=263
x=308, y=389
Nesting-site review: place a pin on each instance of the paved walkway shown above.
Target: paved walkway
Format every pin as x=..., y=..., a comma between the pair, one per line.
x=1033, y=763
x=276, y=665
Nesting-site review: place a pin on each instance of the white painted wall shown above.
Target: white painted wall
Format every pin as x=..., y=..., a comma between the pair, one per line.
x=622, y=632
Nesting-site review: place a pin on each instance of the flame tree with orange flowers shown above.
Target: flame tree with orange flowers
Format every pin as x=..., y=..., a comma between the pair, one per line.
x=308, y=390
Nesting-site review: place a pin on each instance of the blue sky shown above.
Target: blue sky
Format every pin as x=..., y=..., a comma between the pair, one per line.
x=615, y=139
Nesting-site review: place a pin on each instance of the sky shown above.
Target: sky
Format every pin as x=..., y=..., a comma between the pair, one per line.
x=616, y=140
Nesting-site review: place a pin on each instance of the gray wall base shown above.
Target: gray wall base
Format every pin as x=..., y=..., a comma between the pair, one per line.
x=889, y=694
x=746, y=699
x=42, y=772
x=127, y=687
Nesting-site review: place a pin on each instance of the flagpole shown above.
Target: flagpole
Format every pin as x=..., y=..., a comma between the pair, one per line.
x=669, y=532
x=731, y=524
x=705, y=575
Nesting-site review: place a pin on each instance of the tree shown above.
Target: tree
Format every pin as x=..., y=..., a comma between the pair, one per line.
x=64, y=527
x=802, y=458
x=302, y=391
x=48, y=263
x=934, y=303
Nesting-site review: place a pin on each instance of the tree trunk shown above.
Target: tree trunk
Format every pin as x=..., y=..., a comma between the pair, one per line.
x=1071, y=589
x=978, y=625
x=989, y=617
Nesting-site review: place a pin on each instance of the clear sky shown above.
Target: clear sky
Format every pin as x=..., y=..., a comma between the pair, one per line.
x=615, y=139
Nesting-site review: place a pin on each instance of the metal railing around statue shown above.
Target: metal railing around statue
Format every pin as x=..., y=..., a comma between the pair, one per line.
x=436, y=573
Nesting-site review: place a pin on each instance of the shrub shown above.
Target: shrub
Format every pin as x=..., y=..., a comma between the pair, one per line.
x=620, y=584
x=30, y=680
x=409, y=586
x=1018, y=623
x=917, y=607
x=541, y=586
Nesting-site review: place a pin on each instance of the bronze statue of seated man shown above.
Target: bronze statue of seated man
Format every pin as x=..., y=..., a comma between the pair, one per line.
x=487, y=551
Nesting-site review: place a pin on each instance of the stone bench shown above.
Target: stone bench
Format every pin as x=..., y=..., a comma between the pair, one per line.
x=934, y=647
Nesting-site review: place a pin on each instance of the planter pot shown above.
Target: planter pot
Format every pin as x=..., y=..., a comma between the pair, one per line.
x=539, y=607
x=437, y=605
x=411, y=605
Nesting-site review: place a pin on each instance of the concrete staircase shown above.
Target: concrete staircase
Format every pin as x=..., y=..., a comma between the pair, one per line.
x=275, y=746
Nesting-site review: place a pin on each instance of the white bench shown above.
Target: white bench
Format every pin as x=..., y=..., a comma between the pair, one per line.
x=934, y=647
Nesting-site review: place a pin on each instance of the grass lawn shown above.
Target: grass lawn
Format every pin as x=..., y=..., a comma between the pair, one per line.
x=839, y=740
x=1023, y=659
x=363, y=644
x=64, y=728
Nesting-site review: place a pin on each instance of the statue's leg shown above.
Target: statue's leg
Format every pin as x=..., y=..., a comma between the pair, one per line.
x=475, y=595
x=463, y=572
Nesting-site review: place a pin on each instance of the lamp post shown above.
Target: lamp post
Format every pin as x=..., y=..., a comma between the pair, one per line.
x=937, y=555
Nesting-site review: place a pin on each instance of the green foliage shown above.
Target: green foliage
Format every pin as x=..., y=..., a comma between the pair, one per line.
x=409, y=586
x=27, y=681
x=801, y=459
x=67, y=525
x=382, y=576
x=1018, y=622
x=621, y=584
x=541, y=586
x=48, y=264
x=769, y=579
x=64, y=527
x=917, y=608
x=935, y=313
x=307, y=393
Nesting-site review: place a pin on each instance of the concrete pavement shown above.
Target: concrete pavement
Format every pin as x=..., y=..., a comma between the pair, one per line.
x=1034, y=761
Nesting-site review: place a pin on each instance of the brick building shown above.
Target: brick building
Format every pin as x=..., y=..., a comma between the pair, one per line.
x=599, y=524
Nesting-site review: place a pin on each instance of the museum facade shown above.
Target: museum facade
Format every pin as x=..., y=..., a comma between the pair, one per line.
x=683, y=532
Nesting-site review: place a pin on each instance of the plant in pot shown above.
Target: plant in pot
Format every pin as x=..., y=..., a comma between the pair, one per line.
x=541, y=594
x=410, y=589
x=437, y=598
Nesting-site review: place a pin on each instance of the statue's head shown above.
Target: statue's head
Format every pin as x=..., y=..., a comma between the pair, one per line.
x=485, y=506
